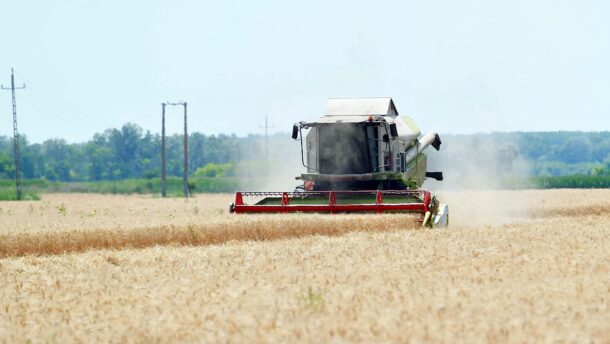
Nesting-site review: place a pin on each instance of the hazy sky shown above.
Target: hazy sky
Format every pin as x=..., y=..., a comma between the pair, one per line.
x=454, y=66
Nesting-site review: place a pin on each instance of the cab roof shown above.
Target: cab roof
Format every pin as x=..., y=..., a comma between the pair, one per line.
x=361, y=107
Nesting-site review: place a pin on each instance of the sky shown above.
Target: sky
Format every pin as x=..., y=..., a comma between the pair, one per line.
x=453, y=66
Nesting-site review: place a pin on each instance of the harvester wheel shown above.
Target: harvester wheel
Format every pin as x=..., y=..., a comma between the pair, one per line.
x=232, y=208
x=441, y=217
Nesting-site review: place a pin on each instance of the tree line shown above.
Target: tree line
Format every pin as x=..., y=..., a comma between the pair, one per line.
x=124, y=153
x=130, y=152
x=537, y=154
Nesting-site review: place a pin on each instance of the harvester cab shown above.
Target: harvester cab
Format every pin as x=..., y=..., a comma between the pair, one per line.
x=360, y=156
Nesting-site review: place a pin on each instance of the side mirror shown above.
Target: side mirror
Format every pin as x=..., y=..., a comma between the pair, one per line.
x=393, y=130
x=295, y=132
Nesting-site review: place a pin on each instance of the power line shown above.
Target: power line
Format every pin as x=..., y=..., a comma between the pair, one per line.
x=15, y=135
x=66, y=108
x=74, y=120
x=60, y=106
x=69, y=113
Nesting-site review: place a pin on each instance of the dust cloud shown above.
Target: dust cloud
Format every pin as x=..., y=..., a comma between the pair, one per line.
x=275, y=168
x=271, y=165
x=475, y=168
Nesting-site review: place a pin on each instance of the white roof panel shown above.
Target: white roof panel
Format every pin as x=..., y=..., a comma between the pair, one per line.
x=342, y=119
x=360, y=107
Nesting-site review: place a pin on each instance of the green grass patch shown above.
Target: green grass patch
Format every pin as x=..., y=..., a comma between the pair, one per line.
x=559, y=182
x=29, y=191
x=32, y=188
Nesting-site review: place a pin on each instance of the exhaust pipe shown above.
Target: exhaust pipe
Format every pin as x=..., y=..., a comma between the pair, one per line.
x=424, y=142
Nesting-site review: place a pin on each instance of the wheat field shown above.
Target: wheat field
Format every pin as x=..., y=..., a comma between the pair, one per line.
x=514, y=266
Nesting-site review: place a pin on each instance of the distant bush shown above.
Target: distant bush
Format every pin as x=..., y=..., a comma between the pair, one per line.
x=215, y=170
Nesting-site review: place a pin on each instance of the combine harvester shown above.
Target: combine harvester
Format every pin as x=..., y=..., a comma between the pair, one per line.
x=361, y=157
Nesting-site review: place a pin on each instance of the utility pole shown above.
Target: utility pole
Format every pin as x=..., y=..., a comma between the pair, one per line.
x=267, y=127
x=163, y=162
x=185, y=167
x=15, y=135
x=185, y=172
